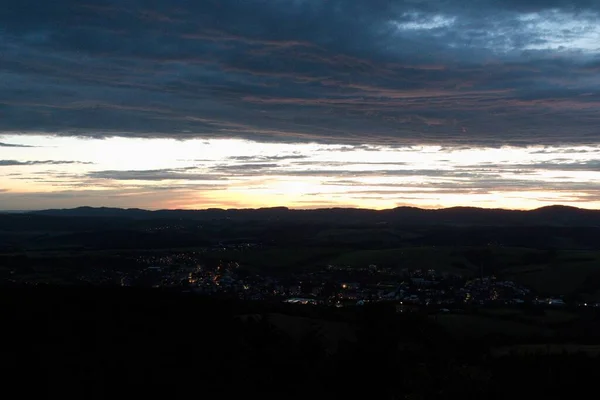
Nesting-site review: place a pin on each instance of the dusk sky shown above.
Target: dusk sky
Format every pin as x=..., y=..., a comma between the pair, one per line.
x=299, y=103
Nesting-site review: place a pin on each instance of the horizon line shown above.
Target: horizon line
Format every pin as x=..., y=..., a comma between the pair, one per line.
x=297, y=209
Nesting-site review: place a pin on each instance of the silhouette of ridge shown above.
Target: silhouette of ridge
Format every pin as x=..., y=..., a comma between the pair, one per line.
x=549, y=215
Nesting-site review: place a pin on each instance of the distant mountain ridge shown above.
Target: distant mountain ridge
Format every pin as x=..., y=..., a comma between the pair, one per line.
x=556, y=215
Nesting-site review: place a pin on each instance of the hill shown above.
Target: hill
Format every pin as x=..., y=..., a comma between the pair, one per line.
x=456, y=216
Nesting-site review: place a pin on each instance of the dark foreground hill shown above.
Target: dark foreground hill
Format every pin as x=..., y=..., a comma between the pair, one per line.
x=116, y=343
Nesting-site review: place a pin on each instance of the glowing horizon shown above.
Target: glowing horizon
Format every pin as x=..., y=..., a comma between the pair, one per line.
x=39, y=172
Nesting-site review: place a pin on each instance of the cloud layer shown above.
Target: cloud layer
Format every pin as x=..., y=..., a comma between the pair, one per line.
x=13, y=163
x=379, y=72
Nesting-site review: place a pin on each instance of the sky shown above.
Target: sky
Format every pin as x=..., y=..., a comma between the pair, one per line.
x=300, y=103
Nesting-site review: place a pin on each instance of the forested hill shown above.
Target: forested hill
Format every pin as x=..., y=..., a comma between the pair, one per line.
x=546, y=216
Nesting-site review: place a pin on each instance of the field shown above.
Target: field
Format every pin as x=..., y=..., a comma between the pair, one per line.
x=478, y=326
x=565, y=275
x=548, y=317
x=543, y=349
x=443, y=259
x=281, y=258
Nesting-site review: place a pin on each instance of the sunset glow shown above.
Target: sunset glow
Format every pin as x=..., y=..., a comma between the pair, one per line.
x=163, y=173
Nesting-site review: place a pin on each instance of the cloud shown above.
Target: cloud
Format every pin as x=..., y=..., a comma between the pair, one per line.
x=152, y=175
x=11, y=163
x=566, y=151
x=246, y=168
x=344, y=149
x=562, y=164
x=13, y=145
x=353, y=72
x=281, y=157
x=487, y=185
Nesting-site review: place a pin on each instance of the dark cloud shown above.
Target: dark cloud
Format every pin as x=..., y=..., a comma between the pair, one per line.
x=344, y=149
x=10, y=163
x=189, y=186
x=349, y=163
x=553, y=165
x=246, y=168
x=322, y=170
x=541, y=5
x=282, y=157
x=153, y=175
x=471, y=185
x=565, y=151
x=13, y=145
x=377, y=72
x=476, y=172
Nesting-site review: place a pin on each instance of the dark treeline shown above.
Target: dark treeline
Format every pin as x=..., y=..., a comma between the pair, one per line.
x=101, y=343
x=546, y=216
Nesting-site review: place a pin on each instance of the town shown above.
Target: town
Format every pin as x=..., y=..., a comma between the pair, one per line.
x=330, y=285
